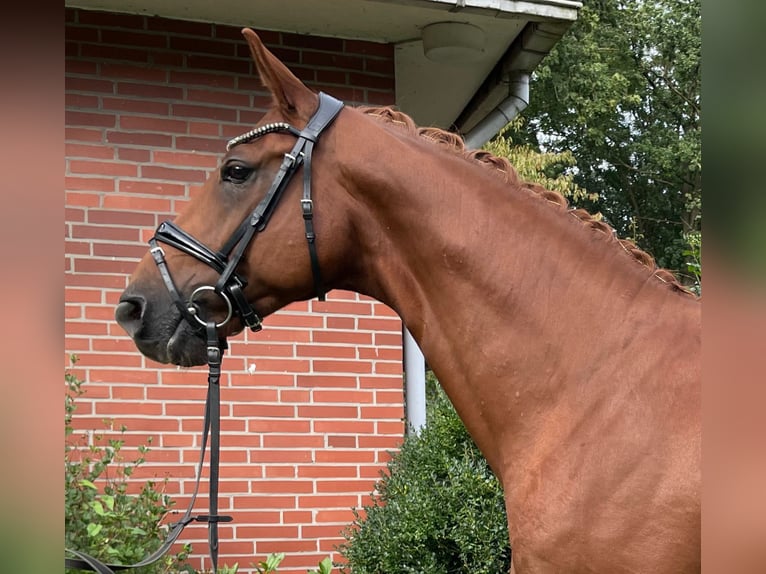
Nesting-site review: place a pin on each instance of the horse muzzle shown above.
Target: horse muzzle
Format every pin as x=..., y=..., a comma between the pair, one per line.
x=162, y=333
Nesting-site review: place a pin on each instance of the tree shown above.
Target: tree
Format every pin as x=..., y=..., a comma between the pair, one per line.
x=621, y=92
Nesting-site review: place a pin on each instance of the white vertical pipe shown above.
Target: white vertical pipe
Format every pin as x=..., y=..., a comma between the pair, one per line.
x=414, y=383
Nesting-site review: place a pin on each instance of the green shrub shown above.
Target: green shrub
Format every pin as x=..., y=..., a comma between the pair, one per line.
x=438, y=510
x=101, y=518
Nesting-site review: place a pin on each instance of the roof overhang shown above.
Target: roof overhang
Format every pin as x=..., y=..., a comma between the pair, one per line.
x=517, y=35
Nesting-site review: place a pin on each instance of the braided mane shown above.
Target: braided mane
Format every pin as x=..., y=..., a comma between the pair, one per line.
x=454, y=143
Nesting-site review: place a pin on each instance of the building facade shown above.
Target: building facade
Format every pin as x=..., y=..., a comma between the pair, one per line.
x=313, y=404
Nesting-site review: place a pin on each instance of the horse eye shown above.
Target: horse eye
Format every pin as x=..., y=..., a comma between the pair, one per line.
x=236, y=172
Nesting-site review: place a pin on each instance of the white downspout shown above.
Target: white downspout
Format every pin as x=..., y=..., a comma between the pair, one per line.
x=501, y=116
x=414, y=383
x=414, y=362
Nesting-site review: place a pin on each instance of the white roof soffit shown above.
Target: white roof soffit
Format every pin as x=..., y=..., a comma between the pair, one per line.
x=517, y=35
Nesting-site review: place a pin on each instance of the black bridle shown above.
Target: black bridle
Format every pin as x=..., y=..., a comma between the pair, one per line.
x=230, y=287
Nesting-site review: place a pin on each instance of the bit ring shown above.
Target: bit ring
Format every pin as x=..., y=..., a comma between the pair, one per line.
x=193, y=310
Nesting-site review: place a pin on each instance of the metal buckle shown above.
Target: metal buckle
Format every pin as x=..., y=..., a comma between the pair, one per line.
x=213, y=355
x=308, y=206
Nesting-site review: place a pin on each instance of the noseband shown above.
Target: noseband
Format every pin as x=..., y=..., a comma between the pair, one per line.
x=230, y=285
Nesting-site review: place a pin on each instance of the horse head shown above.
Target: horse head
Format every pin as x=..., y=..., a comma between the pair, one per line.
x=238, y=251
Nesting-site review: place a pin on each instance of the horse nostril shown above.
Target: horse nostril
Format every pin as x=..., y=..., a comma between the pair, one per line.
x=129, y=314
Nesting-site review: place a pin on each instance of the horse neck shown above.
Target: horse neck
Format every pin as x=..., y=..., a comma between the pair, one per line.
x=506, y=296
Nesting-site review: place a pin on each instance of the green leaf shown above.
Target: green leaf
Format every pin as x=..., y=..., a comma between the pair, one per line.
x=88, y=484
x=94, y=529
x=97, y=507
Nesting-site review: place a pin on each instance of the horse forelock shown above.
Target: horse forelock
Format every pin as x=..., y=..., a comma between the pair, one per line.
x=501, y=166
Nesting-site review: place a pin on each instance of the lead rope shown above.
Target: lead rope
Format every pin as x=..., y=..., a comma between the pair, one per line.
x=211, y=427
x=214, y=356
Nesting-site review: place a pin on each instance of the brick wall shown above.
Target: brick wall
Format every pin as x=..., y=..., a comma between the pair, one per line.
x=313, y=403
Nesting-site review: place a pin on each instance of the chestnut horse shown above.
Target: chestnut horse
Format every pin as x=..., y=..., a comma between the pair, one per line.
x=572, y=360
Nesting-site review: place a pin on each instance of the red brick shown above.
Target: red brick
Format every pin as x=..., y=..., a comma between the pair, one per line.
x=344, y=426
x=110, y=168
x=330, y=471
x=337, y=366
x=136, y=106
x=173, y=174
x=382, y=368
x=380, y=66
x=348, y=323
x=343, y=486
x=372, y=81
x=114, y=345
x=139, y=138
x=293, y=441
x=280, y=426
x=132, y=154
x=129, y=407
x=341, y=441
x=115, y=217
x=377, y=98
x=205, y=112
x=176, y=158
x=103, y=266
x=294, y=396
x=330, y=60
x=332, y=77
x=327, y=412
x=152, y=124
x=156, y=188
x=127, y=71
x=103, y=53
x=194, y=78
x=83, y=295
x=381, y=412
x=328, y=500
x=212, y=129
x=267, y=410
x=370, y=48
x=382, y=324
x=136, y=203
x=105, y=233
x=77, y=118
x=380, y=354
x=127, y=393
x=202, y=144
x=282, y=456
x=72, y=66
x=82, y=200
x=83, y=134
x=126, y=37
x=89, y=183
x=88, y=151
x=345, y=396
x=96, y=85
x=74, y=101
x=387, y=339
x=218, y=64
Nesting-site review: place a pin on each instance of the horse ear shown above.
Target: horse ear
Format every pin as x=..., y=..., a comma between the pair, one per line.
x=289, y=93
